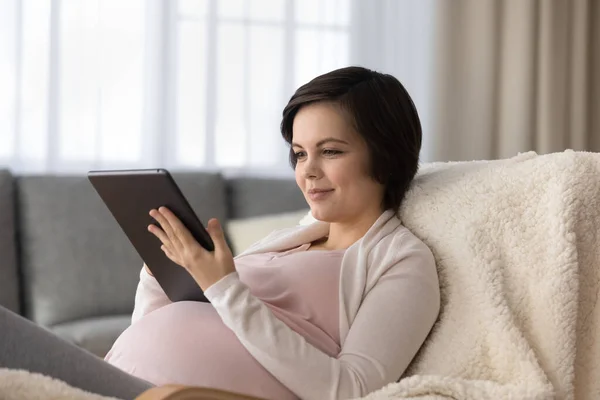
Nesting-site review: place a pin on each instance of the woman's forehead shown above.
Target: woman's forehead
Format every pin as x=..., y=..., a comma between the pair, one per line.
x=318, y=122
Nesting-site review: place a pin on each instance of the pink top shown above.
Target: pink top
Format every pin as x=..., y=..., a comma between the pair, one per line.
x=188, y=343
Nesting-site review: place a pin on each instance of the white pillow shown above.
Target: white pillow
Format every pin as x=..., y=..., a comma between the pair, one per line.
x=247, y=231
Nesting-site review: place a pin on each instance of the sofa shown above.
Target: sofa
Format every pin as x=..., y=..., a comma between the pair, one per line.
x=517, y=248
x=67, y=265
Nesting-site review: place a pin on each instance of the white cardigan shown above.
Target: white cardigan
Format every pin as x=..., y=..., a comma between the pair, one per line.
x=389, y=300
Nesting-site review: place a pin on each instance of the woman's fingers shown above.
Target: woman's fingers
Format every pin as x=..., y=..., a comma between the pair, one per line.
x=162, y=221
x=169, y=254
x=166, y=227
x=178, y=229
x=159, y=233
x=162, y=236
x=217, y=235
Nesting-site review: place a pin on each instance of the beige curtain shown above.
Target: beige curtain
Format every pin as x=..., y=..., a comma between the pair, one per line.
x=515, y=75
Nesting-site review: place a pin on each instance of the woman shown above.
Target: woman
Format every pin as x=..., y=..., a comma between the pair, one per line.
x=331, y=310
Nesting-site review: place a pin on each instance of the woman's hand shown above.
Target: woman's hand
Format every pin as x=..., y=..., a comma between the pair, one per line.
x=148, y=270
x=206, y=267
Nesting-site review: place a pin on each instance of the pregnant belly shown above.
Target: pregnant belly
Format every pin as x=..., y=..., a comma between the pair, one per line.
x=187, y=343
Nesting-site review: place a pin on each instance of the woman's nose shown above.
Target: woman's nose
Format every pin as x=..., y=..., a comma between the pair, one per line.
x=311, y=169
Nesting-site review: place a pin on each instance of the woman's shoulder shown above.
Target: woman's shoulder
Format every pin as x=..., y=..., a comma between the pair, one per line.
x=401, y=237
x=409, y=238
x=402, y=244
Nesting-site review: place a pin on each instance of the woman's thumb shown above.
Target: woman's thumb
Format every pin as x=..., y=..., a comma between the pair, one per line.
x=216, y=232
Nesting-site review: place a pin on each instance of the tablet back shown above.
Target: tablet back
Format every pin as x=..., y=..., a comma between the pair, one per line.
x=129, y=196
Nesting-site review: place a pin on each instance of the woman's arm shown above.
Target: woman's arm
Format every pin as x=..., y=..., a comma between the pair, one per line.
x=149, y=296
x=390, y=327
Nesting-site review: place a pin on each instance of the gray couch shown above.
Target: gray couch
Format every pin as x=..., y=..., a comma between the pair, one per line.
x=66, y=264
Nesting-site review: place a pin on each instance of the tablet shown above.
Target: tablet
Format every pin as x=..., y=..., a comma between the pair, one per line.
x=129, y=196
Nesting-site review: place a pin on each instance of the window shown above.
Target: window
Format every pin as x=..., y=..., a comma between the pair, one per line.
x=181, y=84
x=247, y=57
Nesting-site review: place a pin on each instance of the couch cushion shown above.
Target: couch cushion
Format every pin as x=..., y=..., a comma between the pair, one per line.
x=247, y=231
x=76, y=261
x=251, y=197
x=9, y=283
x=96, y=335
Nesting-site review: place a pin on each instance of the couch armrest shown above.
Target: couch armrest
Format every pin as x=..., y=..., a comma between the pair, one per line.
x=181, y=392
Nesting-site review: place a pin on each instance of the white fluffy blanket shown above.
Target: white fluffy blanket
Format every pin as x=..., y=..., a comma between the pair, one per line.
x=23, y=385
x=517, y=243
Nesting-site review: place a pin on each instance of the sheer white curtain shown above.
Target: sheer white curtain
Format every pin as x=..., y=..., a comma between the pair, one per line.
x=398, y=37
x=187, y=84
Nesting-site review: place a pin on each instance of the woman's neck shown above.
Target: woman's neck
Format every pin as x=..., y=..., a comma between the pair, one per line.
x=344, y=234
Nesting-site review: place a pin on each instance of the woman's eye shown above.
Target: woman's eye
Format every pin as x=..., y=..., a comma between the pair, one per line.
x=327, y=152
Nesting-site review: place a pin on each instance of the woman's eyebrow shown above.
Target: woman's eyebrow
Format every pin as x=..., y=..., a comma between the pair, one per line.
x=323, y=141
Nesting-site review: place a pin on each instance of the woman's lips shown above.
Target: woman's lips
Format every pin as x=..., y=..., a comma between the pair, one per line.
x=320, y=195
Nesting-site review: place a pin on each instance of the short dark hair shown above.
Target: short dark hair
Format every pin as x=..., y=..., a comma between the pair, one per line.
x=381, y=111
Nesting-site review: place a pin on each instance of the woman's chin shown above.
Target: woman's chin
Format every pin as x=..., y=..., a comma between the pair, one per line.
x=321, y=215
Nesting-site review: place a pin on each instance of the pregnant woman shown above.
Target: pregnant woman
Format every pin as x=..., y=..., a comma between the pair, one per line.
x=334, y=309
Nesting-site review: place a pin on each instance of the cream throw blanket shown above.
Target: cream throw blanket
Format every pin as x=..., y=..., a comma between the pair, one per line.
x=517, y=243
x=23, y=385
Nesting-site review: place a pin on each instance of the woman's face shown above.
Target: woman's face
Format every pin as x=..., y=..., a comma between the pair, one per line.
x=333, y=165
